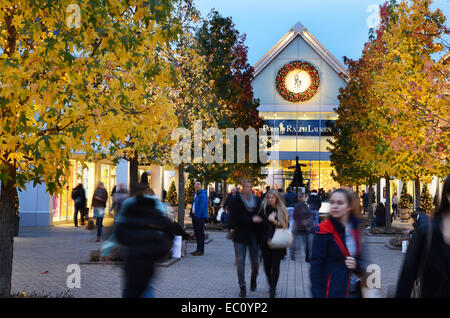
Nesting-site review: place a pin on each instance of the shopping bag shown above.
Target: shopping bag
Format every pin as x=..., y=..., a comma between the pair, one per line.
x=176, y=246
x=219, y=215
x=281, y=239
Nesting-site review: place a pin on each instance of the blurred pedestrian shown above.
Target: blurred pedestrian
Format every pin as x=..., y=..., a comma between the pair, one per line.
x=79, y=199
x=199, y=215
x=395, y=201
x=379, y=219
x=426, y=268
x=274, y=215
x=244, y=219
x=314, y=204
x=119, y=196
x=147, y=233
x=111, y=208
x=301, y=229
x=365, y=198
x=99, y=200
x=290, y=198
x=338, y=253
x=264, y=194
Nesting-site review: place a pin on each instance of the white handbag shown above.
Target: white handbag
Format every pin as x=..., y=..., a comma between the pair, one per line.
x=219, y=214
x=281, y=239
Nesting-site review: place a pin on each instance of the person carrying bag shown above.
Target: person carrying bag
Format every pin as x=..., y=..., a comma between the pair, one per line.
x=275, y=236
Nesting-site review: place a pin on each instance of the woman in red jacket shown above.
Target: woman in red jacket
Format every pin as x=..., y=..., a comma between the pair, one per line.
x=336, y=260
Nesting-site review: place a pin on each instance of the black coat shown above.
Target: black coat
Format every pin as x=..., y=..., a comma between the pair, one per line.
x=314, y=202
x=79, y=193
x=267, y=229
x=147, y=233
x=436, y=273
x=380, y=214
x=240, y=219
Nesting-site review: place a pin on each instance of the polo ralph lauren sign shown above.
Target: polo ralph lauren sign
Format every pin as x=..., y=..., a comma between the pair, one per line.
x=292, y=127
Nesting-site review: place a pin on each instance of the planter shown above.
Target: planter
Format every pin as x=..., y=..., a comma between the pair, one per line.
x=16, y=220
x=404, y=214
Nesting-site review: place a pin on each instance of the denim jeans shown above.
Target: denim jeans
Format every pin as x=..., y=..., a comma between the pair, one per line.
x=138, y=275
x=199, y=231
x=148, y=293
x=99, y=226
x=304, y=237
x=373, y=223
x=241, y=252
x=316, y=217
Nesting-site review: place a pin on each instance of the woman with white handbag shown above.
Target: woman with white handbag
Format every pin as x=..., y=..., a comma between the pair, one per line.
x=275, y=236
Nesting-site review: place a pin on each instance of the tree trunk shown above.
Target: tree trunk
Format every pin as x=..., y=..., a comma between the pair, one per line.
x=416, y=193
x=378, y=191
x=224, y=192
x=134, y=164
x=206, y=183
x=388, y=203
x=7, y=212
x=181, y=195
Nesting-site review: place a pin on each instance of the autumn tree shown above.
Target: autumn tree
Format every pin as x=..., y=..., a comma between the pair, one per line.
x=395, y=99
x=71, y=83
x=192, y=95
x=231, y=74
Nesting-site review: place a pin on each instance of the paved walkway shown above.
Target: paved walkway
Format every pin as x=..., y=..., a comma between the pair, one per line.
x=213, y=275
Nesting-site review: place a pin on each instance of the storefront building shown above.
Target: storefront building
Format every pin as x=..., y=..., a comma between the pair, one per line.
x=297, y=83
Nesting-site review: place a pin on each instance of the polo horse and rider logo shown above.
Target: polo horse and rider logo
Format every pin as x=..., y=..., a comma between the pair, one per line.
x=298, y=82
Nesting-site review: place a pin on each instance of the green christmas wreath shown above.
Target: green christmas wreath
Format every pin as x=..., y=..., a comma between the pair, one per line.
x=297, y=97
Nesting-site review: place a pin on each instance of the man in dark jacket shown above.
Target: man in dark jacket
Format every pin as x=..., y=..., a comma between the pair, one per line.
x=199, y=215
x=303, y=219
x=79, y=199
x=314, y=204
x=289, y=198
x=243, y=219
x=146, y=231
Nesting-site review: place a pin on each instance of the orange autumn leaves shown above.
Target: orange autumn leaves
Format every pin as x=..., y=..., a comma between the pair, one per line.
x=395, y=108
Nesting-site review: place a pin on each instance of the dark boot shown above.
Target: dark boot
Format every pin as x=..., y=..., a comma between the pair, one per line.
x=243, y=293
x=253, y=284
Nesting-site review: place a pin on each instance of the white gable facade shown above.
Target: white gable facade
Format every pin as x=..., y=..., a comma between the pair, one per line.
x=302, y=125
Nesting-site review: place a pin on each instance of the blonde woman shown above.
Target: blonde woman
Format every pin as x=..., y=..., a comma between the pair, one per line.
x=274, y=215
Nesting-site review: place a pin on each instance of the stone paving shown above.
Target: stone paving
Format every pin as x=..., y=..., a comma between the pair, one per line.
x=52, y=249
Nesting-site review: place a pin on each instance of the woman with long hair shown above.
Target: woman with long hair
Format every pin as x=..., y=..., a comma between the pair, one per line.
x=427, y=259
x=274, y=214
x=337, y=252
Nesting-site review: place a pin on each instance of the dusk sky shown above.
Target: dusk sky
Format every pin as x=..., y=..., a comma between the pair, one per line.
x=340, y=25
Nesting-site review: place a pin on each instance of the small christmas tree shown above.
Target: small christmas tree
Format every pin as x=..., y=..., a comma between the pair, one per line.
x=404, y=203
x=190, y=191
x=426, y=202
x=172, y=196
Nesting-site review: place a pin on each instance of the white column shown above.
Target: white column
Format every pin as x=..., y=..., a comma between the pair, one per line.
x=123, y=173
x=157, y=179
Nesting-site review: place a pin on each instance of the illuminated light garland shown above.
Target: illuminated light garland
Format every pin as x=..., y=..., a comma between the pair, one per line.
x=297, y=97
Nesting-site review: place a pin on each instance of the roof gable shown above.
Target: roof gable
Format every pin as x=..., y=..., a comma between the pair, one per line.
x=300, y=30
